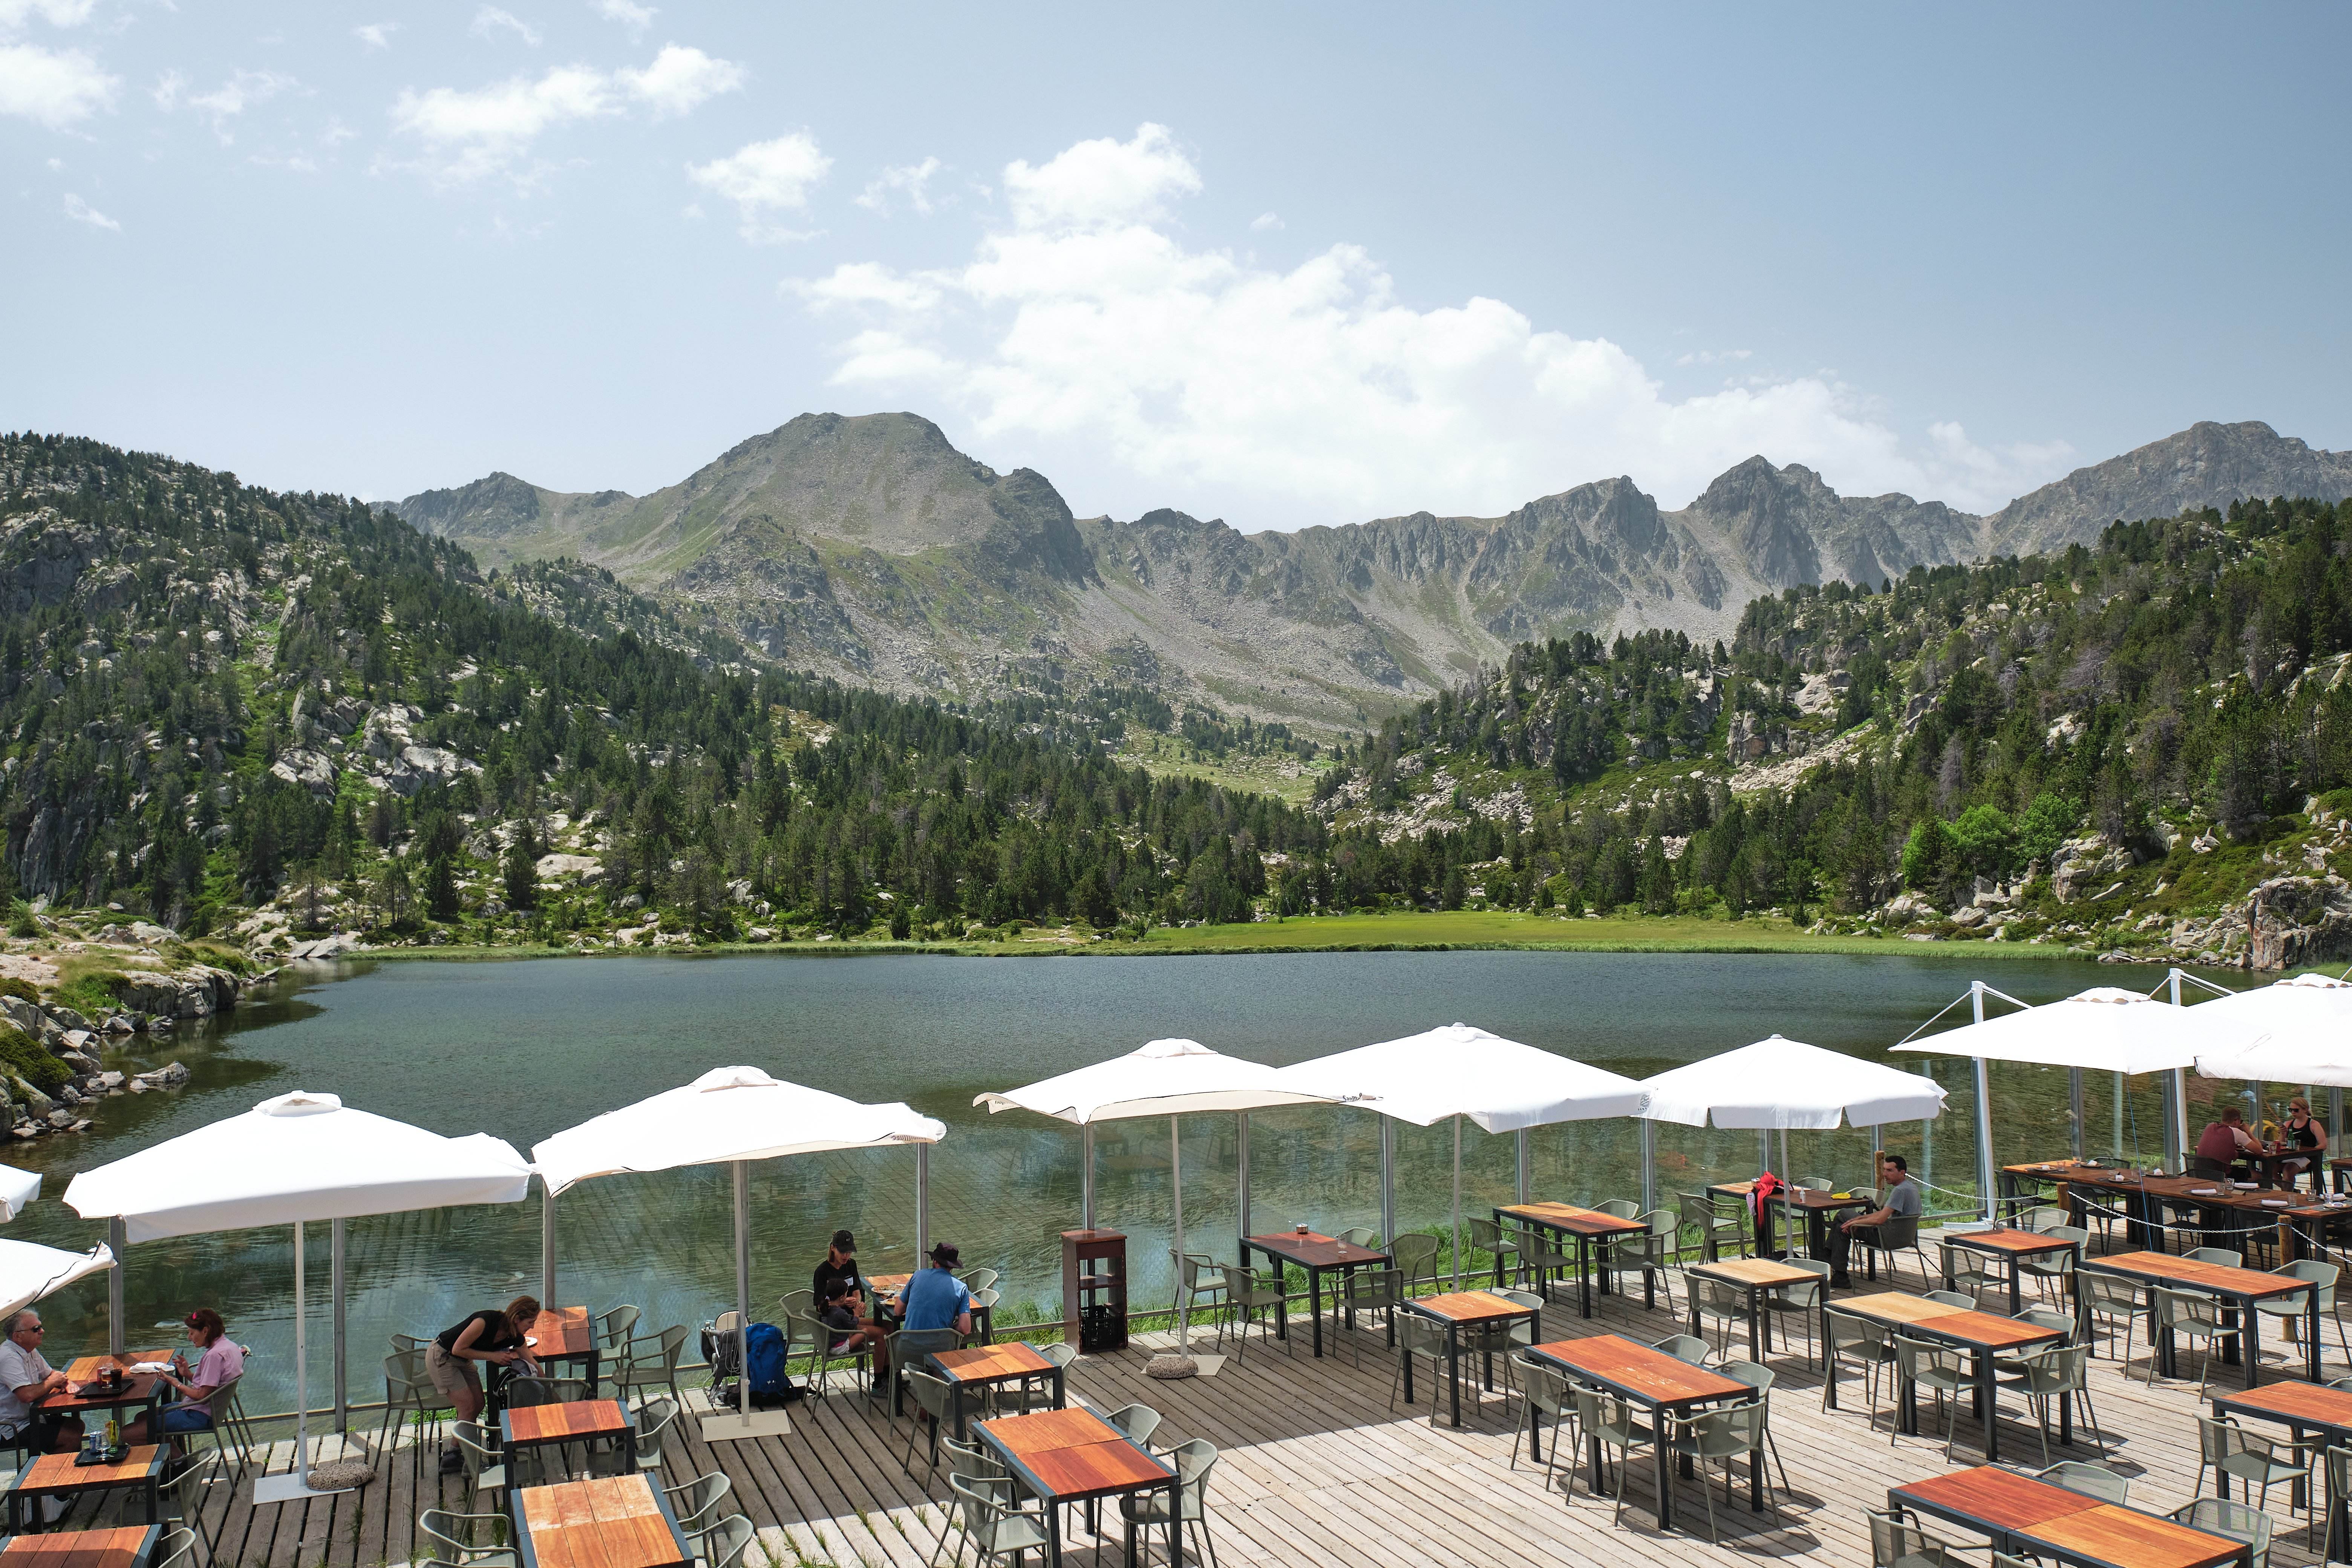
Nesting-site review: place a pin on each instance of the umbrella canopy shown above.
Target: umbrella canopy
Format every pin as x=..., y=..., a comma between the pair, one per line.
x=29, y=1272
x=1165, y=1077
x=1786, y=1083
x=2295, y=1031
x=18, y=1188
x=728, y=1114
x=1459, y=1070
x=2104, y=1028
x=300, y=1156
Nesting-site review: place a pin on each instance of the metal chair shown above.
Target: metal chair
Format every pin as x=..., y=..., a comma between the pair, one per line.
x=995, y=1519
x=453, y=1534
x=1368, y=1290
x=1249, y=1298
x=1686, y=1347
x=811, y=1340
x=2189, y=1314
x=649, y=1361
x=984, y=1315
x=2220, y=1257
x=1141, y=1511
x=1896, y=1542
x=1947, y=1371
x=1852, y=1340
x=2053, y=1372
x=2050, y=1274
x=1648, y=1257
x=614, y=1325
x=183, y=1496
x=2091, y=1480
x=1606, y=1419
x=1414, y=1256
x=907, y=1347
x=1727, y=1304
x=2044, y=1219
x=1697, y=1211
x=1488, y=1238
x=2235, y=1520
x=1812, y=1183
x=1899, y=1233
x=2112, y=1299
x=930, y=1400
x=723, y=1544
x=693, y=1501
x=2289, y=1310
x=523, y=1392
x=483, y=1462
x=1543, y=1396
x=408, y=1388
x=1801, y=1301
x=1725, y=1432
x=1971, y=1273
x=1760, y=1378
x=1543, y=1254
x=2229, y=1449
x=1417, y=1336
x=1208, y=1295
x=176, y=1547
x=653, y=1419
x=1360, y=1235
x=1136, y=1423
x=1619, y=1208
x=1061, y=1353
x=1953, y=1299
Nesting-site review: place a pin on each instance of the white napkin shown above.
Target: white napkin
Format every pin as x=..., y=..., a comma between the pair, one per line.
x=150, y=1366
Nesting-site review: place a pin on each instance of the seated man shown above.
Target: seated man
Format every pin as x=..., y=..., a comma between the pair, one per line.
x=935, y=1298
x=26, y=1380
x=2222, y=1144
x=1903, y=1202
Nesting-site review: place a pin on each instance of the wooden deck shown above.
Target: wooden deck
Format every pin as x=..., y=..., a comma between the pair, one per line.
x=1316, y=1469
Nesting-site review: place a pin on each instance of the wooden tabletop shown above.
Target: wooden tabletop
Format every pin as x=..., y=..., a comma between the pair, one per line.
x=2308, y=1403
x=2209, y=1191
x=2167, y=1269
x=1755, y=1273
x=990, y=1364
x=1983, y=1331
x=1315, y=1250
x=126, y=1547
x=1570, y=1217
x=2010, y=1243
x=137, y=1387
x=887, y=1284
x=560, y=1332
x=58, y=1473
x=613, y=1522
x=1894, y=1307
x=1651, y=1376
x=1468, y=1307
x=2072, y=1523
x=562, y=1423
x=1801, y=1198
x=1070, y=1455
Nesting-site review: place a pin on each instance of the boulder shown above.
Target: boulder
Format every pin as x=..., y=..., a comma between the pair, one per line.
x=60, y=1119
x=554, y=867
x=67, y=1019
x=36, y=1104
x=110, y=1080
x=1968, y=915
x=2294, y=921
x=2083, y=864
x=24, y=1016
x=79, y=1042
x=311, y=770
x=120, y=1024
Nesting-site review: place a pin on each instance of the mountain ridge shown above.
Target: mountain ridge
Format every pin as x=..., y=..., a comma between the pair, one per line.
x=868, y=546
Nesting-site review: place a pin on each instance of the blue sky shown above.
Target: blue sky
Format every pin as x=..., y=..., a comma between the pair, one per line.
x=1282, y=265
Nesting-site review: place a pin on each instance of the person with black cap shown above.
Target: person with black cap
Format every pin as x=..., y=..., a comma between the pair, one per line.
x=935, y=1298
x=841, y=1263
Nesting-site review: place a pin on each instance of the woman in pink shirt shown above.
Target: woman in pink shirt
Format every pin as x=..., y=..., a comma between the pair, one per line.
x=221, y=1364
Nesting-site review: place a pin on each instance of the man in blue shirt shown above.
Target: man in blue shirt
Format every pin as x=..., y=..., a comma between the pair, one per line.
x=935, y=1298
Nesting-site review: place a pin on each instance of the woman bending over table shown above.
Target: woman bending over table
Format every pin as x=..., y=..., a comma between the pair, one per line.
x=452, y=1360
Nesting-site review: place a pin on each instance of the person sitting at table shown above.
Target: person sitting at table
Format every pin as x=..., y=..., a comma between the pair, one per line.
x=2222, y=1144
x=1901, y=1202
x=852, y=1334
x=935, y=1298
x=496, y=1337
x=2300, y=1132
x=26, y=1381
x=220, y=1362
x=840, y=1263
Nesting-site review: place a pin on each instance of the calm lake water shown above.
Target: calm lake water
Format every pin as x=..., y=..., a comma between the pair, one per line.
x=525, y=1048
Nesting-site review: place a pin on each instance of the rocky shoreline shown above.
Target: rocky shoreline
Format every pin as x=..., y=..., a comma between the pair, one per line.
x=153, y=1004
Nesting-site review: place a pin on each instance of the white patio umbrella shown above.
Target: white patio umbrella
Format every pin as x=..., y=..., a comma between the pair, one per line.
x=29, y=1271
x=18, y=1188
x=731, y=1116
x=1164, y=1078
x=1777, y=1084
x=1457, y=1071
x=291, y=1160
x=2105, y=1029
x=2295, y=1031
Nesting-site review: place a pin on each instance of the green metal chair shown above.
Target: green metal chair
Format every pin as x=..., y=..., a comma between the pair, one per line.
x=1360, y=1235
x=179, y=1546
x=614, y=1324
x=2110, y=1299
x=1249, y=1298
x=1544, y=1396
x=1619, y=1208
x=1945, y=1371
x=2220, y=1257
x=694, y=1502
x=1725, y=1432
x=1760, y=1378
x=723, y=1544
x=454, y=1537
x=1971, y=1273
x=1649, y=1256
x=1960, y=1298
x=1713, y=1299
x=650, y=1360
x=1543, y=1254
x=2289, y=1310
x=1606, y=1419
x=1206, y=1288
x=2052, y=1373
x=1140, y=1512
x=2218, y=1516
x=2229, y=1449
x=1896, y=1542
x=2191, y=1315
x=1418, y=1337
x=1488, y=1237
x=1367, y=1292
x=1715, y=1230
x=995, y=1519
x=1853, y=1341
x=931, y=1399
x=1800, y=1302
x=2091, y=1480
x=1687, y=1347
x=1414, y=1256
x=653, y=1419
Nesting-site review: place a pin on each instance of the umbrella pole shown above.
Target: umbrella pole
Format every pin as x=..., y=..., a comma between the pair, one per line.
x=546, y=1244
x=1984, y=1113
x=1520, y=1159
x=117, y=1235
x=1176, y=1207
x=2074, y=1100
x=1788, y=1176
x=302, y=1367
x=1649, y=1165
x=335, y=1252
x=1086, y=1176
x=923, y=1203
x=2175, y=1084
x=743, y=1288
x=1457, y=1200
x=1241, y=1150
x=1388, y=1182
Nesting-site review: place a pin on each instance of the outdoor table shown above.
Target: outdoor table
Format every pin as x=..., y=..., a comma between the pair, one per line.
x=1980, y=1333
x=1816, y=1207
x=1074, y=1456
x=84, y=1391
x=1317, y=1255
x=2300, y=1408
x=615, y=1521
x=1472, y=1309
x=1753, y=1278
x=2012, y=1245
x=1660, y=1383
x=883, y=1293
x=1588, y=1227
x=535, y=1425
x=126, y=1546
x=564, y=1334
x=2142, y=1199
x=142, y=1467
x=2240, y=1287
x=985, y=1366
x=2025, y=1516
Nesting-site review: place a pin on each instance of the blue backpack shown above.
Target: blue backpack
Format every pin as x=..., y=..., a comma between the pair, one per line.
x=763, y=1362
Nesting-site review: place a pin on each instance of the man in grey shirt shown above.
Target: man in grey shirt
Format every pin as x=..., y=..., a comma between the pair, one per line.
x=26, y=1380
x=1902, y=1202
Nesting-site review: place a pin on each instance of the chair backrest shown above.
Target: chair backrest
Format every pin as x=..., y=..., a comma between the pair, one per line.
x=1600, y=1413
x=2186, y=1309
x=2221, y=1256
x=1418, y=1336
x=654, y=1416
x=1202, y=1272
x=2092, y=1480
x=1415, y=1255
x=2043, y=1218
x=1194, y=1460
x=2235, y=1520
x=405, y=1369
x=980, y=1278
x=408, y=1342
x=526, y=1391
x=930, y=1391
x=1850, y=1332
x=1685, y=1347
x=1896, y=1540
x=983, y=1504
x=970, y=1461
x=615, y=1325
x=2047, y=1318
x=698, y=1497
x=2220, y=1438
x=1136, y=1423
x=985, y=1298
x=1895, y=1233
x=1358, y=1236
x=187, y=1490
x=1061, y=1353
x=1914, y=1355
x=1755, y=1375
x=2108, y=1293
x=1543, y=1386
x=1618, y=1208
x=1371, y=1287
x=1812, y=1183
x=177, y=1546
x=1716, y=1298
x=1484, y=1234
x=2323, y=1275
x=910, y=1346
x=1953, y=1299
x=793, y=1302
x=1528, y=1298
x=2051, y=1369
x=723, y=1545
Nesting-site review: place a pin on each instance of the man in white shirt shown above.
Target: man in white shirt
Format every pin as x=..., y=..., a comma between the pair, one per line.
x=26, y=1380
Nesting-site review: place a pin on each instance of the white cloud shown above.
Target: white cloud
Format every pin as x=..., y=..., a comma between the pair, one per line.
x=81, y=211
x=491, y=20
x=1102, y=183
x=1317, y=393
x=55, y=88
x=225, y=103
x=1715, y=356
x=635, y=17
x=1265, y=221
x=908, y=182
x=473, y=132
x=679, y=80
x=56, y=13
x=764, y=178
x=376, y=35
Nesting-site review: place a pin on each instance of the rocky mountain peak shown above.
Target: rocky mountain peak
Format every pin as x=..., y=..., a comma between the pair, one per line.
x=2208, y=464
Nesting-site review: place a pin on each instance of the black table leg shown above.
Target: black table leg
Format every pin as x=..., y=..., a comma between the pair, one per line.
x=958, y=1395
x=1756, y=1327
x=1584, y=1273
x=1176, y=1524
x=1829, y=1359
x=1665, y=1471
x=2311, y=1336
x=1314, y=1305
x=1989, y=1406
x=1453, y=1373
x=2251, y=1331
x=1407, y=1376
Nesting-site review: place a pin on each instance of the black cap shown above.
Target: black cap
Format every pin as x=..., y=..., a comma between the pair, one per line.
x=843, y=1242
x=945, y=1254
